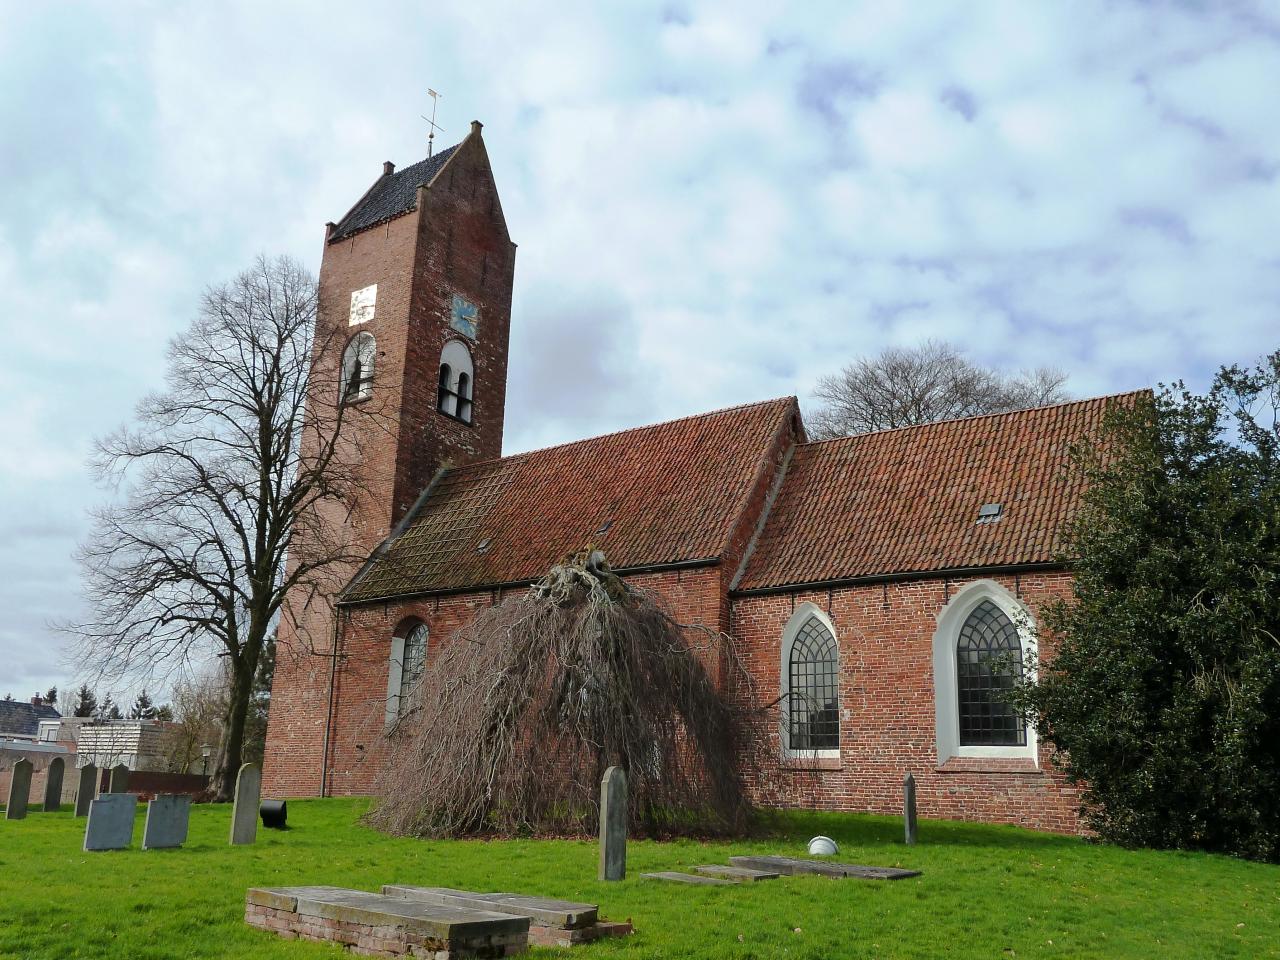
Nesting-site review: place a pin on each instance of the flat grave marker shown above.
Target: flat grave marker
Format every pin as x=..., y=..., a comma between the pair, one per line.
x=110, y=825
x=790, y=866
x=738, y=874
x=53, y=784
x=244, y=810
x=119, y=781
x=19, y=791
x=87, y=789
x=167, y=818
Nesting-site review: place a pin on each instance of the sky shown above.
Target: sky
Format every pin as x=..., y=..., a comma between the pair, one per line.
x=714, y=202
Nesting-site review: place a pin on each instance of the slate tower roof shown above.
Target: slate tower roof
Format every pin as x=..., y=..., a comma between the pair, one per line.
x=391, y=195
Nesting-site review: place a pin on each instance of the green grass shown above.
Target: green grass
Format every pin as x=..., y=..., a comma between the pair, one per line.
x=985, y=892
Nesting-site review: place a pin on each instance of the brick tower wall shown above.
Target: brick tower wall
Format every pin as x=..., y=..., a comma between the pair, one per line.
x=455, y=241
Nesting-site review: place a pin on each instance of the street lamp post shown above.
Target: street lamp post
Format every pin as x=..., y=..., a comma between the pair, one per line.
x=205, y=752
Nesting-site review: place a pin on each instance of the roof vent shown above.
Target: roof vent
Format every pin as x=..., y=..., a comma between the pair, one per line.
x=483, y=545
x=604, y=528
x=989, y=512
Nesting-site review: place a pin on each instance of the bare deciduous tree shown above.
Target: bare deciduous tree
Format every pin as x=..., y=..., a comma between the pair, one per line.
x=214, y=488
x=903, y=387
x=199, y=707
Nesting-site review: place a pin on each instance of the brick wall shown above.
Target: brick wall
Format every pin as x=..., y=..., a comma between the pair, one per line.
x=885, y=633
x=358, y=747
x=887, y=729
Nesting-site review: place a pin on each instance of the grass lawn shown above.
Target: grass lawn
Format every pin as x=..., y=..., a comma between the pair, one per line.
x=986, y=892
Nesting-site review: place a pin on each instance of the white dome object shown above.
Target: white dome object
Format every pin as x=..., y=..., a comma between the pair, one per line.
x=822, y=847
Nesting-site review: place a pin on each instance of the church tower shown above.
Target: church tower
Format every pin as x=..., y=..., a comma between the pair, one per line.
x=415, y=285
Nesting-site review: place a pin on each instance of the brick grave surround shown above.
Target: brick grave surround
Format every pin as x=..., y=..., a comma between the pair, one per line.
x=734, y=516
x=436, y=922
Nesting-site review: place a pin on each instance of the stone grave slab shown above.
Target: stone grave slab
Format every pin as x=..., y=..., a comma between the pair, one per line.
x=110, y=825
x=86, y=790
x=53, y=784
x=119, y=779
x=244, y=809
x=791, y=866
x=167, y=818
x=737, y=874
x=675, y=876
x=378, y=925
x=19, y=791
x=563, y=923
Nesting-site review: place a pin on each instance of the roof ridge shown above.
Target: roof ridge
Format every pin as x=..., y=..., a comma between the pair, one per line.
x=978, y=416
x=617, y=433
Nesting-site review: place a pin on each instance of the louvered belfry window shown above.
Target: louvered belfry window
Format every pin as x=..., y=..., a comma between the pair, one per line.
x=813, y=687
x=988, y=664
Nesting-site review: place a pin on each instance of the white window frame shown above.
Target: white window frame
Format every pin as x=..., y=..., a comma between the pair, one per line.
x=951, y=619
x=457, y=355
x=395, y=669
x=353, y=348
x=799, y=618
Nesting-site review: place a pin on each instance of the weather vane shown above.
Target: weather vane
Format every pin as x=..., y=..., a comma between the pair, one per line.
x=431, y=122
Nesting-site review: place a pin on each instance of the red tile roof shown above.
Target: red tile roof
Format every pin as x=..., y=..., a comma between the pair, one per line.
x=907, y=500
x=671, y=493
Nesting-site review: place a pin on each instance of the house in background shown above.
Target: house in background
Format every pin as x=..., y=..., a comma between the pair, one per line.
x=21, y=721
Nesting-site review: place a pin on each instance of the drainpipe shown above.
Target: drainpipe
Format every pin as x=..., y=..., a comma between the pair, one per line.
x=328, y=719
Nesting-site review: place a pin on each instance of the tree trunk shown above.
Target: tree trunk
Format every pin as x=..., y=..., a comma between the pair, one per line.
x=231, y=750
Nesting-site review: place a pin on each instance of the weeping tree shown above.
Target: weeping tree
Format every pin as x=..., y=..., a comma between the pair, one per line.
x=510, y=728
x=213, y=483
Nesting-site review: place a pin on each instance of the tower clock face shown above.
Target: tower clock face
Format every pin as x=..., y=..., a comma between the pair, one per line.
x=464, y=317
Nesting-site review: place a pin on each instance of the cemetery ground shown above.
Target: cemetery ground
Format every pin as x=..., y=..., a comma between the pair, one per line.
x=985, y=891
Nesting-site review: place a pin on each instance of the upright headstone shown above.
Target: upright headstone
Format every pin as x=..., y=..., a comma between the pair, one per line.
x=53, y=784
x=87, y=790
x=244, y=812
x=119, y=782
x=110, y=825
x=909, y=808
x=19, y=791
x=613, y=824
x=167, y=818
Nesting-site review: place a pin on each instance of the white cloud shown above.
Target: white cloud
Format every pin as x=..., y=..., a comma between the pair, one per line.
x=714, y=202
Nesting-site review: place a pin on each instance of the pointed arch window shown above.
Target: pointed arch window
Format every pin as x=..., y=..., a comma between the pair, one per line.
x=456, y=381
x=811, y=668
x=985, y=643
x=407, y=662
x=357, y=368
x=988, y=665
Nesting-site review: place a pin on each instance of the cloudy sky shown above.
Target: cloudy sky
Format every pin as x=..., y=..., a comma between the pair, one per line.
x=714, y=202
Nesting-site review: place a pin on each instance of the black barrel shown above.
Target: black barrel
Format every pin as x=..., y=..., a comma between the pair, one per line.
x=273, y=813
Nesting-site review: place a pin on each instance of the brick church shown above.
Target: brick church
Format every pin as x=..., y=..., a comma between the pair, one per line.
x=871, y=581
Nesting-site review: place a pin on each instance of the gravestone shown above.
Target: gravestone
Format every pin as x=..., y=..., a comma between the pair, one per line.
x=53, y=784
x=119, y=782
x=87, y=789
x=19, y=791
x=110, y=825
x=909, y=808
x=244, y=810
x=167, y=818
x=613, y=824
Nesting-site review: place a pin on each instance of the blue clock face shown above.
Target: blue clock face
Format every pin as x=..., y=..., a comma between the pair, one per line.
x=464, y=317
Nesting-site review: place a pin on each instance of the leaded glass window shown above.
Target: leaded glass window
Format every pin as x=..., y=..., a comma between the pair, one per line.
x=988, y=664
x=813, y=688
x=415, y=658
